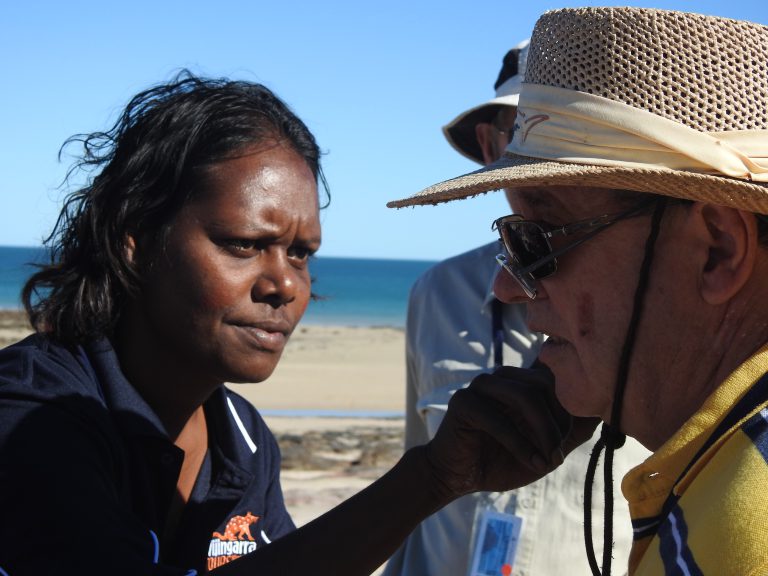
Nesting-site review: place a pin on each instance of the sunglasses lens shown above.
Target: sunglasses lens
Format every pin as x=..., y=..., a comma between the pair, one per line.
x=526, y=244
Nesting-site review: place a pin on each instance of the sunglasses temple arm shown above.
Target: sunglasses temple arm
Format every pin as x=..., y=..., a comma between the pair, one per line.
x=554, y=254
x=606, y=220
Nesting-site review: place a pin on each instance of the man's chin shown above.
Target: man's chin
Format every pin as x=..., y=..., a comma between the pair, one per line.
x=571, y=397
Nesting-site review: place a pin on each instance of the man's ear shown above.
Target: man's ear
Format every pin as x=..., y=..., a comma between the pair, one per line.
x=730, y=237
x=485, y=139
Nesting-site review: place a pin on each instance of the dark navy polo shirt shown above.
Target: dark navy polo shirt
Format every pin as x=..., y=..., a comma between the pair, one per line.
x=87, y=472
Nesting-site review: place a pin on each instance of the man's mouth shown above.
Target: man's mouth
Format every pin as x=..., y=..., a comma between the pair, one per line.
x=554, y=340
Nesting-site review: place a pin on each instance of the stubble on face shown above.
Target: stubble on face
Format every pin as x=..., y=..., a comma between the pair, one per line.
x=585, y=314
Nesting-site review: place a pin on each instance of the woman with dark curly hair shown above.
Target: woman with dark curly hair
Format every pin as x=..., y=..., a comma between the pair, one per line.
x=182, y=264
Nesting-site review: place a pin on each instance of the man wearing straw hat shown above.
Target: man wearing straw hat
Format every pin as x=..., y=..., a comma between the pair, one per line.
x=638, y=173
x=456, y=330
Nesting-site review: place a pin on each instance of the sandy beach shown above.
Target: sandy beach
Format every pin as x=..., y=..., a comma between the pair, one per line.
x=325, y=370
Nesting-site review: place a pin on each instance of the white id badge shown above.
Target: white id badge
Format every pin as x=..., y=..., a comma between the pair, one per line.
x=496, y=544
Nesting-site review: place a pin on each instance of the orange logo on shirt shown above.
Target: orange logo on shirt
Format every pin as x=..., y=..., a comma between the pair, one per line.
x=236, y=527
x=236, y=541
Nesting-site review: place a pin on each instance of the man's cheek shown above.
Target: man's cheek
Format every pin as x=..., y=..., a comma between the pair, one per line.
x=585, y=315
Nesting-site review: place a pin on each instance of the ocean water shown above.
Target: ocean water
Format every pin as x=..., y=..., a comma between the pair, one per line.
x=352, y=291
x=16, y=265
x=362, y=292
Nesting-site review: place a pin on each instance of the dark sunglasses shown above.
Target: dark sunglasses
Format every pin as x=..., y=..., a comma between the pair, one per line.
x=529, y=255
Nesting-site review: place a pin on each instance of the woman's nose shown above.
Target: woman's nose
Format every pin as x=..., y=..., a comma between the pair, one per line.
x=277, y=283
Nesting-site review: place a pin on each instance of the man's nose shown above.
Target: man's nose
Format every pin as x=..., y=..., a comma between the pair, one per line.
x=509, y=291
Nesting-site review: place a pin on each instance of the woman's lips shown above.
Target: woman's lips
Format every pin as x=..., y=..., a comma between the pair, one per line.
x=269, y=338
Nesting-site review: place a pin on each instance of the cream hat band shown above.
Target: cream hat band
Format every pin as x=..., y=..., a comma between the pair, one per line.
x=569, y=126
x=654, y=101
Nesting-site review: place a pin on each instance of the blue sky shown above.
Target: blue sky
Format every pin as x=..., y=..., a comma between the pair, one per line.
x=373, y=81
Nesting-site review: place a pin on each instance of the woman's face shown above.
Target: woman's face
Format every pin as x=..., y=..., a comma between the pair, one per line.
x=220, y=300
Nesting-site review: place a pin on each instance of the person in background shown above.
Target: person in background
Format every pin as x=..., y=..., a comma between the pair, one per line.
x=182, y=264
x=457, y=329
x=638, y=174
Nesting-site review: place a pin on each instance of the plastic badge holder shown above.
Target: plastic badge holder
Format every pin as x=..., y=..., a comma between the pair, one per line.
x=497, y=537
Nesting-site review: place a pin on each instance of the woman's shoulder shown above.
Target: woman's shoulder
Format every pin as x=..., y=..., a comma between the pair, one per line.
x=248, y=427
x=38, y=366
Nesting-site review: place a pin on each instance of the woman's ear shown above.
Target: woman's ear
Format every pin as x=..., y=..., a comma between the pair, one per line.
x=731, y=243
x=129, y=249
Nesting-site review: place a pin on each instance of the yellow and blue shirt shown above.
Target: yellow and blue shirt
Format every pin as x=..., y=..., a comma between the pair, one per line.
x=699, y=505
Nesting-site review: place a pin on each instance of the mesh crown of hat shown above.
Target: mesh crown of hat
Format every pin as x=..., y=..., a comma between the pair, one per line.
x=706, y=72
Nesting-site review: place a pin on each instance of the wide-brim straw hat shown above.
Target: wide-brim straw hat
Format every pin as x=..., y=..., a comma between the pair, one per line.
x=460, y=132
x=637, y=99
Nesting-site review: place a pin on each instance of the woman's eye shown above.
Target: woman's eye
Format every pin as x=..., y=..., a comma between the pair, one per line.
x=241, y=244
x=300, y=252
x=246, y=247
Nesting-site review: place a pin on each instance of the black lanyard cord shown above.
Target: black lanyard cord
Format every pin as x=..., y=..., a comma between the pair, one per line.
x=497, y=332
x=611, y=436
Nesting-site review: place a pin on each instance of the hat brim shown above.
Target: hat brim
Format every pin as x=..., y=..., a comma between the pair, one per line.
x=460, y=132
x=513, y=171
